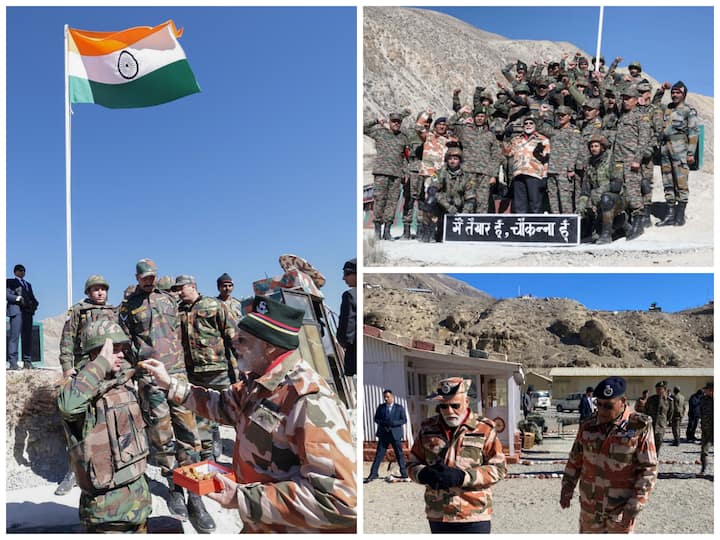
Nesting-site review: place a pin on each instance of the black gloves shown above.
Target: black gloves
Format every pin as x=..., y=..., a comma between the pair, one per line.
x=538, y=153
x=615, y=185
x=440, y=476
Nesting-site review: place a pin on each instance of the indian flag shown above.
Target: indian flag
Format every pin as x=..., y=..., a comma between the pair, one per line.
x=137, y=67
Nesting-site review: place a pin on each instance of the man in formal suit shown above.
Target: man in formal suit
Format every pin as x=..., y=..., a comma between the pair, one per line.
x=587, y=407
x=390, y=418
x=25, y=299
x=14, y=315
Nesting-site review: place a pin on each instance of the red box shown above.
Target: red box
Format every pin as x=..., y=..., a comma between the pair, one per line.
x=423, y=345
x=202, y=487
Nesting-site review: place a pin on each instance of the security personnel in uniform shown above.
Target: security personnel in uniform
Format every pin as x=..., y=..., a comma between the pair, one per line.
x=614, y=460
x=659, y=408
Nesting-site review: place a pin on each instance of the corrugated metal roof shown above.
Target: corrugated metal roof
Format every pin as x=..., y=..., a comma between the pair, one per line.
x=635, y=372
x=545, y=377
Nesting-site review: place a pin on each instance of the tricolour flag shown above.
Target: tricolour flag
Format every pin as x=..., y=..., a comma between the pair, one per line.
x=137, y=67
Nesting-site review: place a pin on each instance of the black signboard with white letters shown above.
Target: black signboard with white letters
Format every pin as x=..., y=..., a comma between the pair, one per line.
x=548, y=229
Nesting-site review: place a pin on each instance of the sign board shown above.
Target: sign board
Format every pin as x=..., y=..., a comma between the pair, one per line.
x=548, y=229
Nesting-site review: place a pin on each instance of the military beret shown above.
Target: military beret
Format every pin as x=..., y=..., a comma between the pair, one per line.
x=636, y=64
x=592, y=103
x=350, y=267
x=224, y=278
x=146, y=267
x=680, y=85
x=480, y=109
x=564, y=109
x=441, y=120
x=447, y=388
x=609, y=388
x=395, y=116
x=183, y=279
x=661, y=384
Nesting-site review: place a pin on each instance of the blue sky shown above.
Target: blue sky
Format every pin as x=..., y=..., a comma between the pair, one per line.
x=672, y=292
x=262, y=162
x=671, y=43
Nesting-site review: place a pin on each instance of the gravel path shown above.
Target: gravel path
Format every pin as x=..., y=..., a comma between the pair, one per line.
x=680, y=503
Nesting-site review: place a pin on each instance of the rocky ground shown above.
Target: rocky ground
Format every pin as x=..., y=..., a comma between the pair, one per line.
x=681, y=503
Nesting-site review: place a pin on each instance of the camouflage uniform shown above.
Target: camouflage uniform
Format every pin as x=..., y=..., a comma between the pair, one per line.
x=706, y=428
x=482, y=156
x=567, y=155
x=616, y=469
x=293, y=457
x=472, y=447
x=413, y=186
x=433, y=157
x=679, y=138
x=454, y=190
x=152, y=322
x=79, y=316
x=388, y=169
x=679, y=410
x=660, y=410
x=234, y=307
x=111, y=500
x=632, y=144
x=646, y=167
x=207, y=334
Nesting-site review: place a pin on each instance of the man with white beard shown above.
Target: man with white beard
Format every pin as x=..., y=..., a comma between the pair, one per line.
x=458, y=457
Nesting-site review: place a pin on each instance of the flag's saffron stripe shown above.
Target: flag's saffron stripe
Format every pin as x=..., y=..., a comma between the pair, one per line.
x=162, y=85
x=89, y=43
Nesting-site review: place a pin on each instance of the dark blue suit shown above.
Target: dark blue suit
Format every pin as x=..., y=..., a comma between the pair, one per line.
x=586, y=407
x=27, y=307
x=389, y=432
x=12, y=311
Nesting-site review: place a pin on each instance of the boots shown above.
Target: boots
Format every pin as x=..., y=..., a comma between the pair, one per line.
x=637, y=227
x=199, y=516
x=176, y=501
x=386, y=231
x=646, y=218
x=216, y=442
x=669, y=217
x=420, y=236
x=406, y=231
x=378, y=230
x=67, y=484
x=680, y=214
x=605, y=234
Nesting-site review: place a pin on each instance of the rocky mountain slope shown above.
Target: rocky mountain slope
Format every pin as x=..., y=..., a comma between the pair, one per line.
x=540, y=333
x=416, y=57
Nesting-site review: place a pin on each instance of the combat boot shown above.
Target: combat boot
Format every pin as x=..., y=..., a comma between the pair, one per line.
x=216, y=442
x=67, y=483
x=680, y=214
x=605, y=234
x=378, y=230
x=406, y=231
x=420, y=236
x=199, y=517
x=386, y=232
x=646, y=218
x=637, y=227
x=176, y=501
x=669, y=218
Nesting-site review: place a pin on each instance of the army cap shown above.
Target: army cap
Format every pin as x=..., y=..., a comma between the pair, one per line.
x=165, y=283
x=449, y=387
x=630, y=90
x=610, y=388
x=395, y=116
x=522, y=88
x=661, y=384
x=564, y=109
x=644, y=86
x=184, y=279
x=146, y=267
x=224, y=278
x=635, y=64
x=98, y=331
x=599, y=138
x=681, y=86
x=350, y=267
x=273, y=322
x=591, y=103
x=96, y=279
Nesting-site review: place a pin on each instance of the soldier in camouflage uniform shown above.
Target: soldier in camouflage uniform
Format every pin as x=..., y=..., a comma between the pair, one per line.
x=679, y=410
x=79, y=316
x=165, y=283
x=392, y=146
x=706, y=424
x=568, y=154
x=454, y=190
x=294, y=459
x=101, y=417
x=659, y=408
x=207, y=331
x=458, y=457
x=614, y=460
x=150, y=317
x=481, y=155
x=225, y=286
x=632, y=144
x=678, y=141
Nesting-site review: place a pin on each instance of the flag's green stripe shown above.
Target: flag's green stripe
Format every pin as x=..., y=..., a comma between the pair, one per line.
x=162, y=85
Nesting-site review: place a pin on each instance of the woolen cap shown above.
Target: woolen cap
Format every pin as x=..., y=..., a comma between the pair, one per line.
x=273, y=322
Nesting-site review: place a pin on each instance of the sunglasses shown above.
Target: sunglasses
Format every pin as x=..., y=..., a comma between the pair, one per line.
x=446, y=406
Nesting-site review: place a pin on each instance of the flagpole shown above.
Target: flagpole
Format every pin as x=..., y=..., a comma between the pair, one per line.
x=68, y=211
x=599, y=39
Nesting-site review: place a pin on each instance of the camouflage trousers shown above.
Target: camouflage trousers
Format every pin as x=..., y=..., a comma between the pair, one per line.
x=562, y=194
x=675, y=171
x=706, y=441
x=632, y=180
x=122, y=509
x=646, y=173
x=412, y=191
x=659, y=434
x=171, y=428
x=216, y=380
x=386, y=193
x=478, y=200
x=594, y=522
x=424, y=215
x=675, y=425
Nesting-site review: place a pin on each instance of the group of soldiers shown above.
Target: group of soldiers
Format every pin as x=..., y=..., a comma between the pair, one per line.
x=669, y=408
x=558, y=137
x=158, y=372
